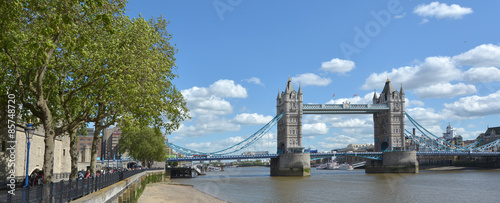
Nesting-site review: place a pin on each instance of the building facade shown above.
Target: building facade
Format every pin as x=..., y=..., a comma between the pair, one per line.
x=62, y=159
x=491, y=135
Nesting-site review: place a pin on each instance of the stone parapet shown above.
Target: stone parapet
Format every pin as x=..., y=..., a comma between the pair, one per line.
x=113, y=192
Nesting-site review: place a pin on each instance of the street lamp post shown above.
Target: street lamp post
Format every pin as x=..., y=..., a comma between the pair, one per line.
x=29, y=131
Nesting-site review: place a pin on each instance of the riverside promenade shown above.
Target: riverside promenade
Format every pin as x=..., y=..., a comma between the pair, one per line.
x=171, y=191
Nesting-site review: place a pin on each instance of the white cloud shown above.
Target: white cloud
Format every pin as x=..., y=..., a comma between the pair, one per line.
x=468, y=135
x=336, y=142
x=205, y=125
x=445, y=90
x=474, y=106
x=254, y=80
x=212, y=105
x=227, y=88
x=220, y=88
x=266, y=143
x=441, y=10
x=352, y=123
x=481, y=56
x=252, y=118
x=365, y=134
x=400, y=16
x=434, y=70
x=338, y=66
x=482, y=74
x=173, y=139
x=314, y=129
x=327, y=147
x=311, y=79
x=200, y=145
x=424, y=21
x=341, y=139
x=426, y=117
x=416, y=103
x=310, y=118
x=203, y=100
x=366, y=99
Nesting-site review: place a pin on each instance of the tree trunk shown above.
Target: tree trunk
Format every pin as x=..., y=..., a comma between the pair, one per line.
x=73, y=141
x=93, y=156
x=48, y=157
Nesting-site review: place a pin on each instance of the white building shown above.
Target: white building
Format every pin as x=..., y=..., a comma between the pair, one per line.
x=450, y=133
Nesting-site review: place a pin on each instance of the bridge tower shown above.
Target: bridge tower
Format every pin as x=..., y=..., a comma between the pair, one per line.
x=389, y=125
x=291, y=160
x=290, y=126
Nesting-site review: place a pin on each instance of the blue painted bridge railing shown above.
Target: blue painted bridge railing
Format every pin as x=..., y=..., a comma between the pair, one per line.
x=368, y=155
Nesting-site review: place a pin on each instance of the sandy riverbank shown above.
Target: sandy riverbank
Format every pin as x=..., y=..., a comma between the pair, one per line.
x=452, y=168
x=174, y=192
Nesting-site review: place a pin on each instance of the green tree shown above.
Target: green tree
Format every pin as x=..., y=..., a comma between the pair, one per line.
x=143, y=143
x=72, y=62
x=36, y=38
x=141, y=90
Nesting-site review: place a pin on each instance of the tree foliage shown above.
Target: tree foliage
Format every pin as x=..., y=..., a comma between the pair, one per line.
x=143, y=143
x=77, y=61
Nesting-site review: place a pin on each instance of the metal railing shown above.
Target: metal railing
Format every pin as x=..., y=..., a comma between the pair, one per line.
x=67, y=190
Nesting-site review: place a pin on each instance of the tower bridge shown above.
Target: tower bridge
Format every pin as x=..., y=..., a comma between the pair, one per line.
x=390, y=153
x=388, y=111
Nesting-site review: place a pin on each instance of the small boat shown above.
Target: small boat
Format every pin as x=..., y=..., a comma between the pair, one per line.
x=334, y=166
x=345, y=167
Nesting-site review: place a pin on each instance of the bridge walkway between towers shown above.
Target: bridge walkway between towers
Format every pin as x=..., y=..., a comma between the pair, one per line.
x=345, y=108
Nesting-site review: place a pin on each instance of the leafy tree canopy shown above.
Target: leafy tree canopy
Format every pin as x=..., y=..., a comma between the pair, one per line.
x=143, y=143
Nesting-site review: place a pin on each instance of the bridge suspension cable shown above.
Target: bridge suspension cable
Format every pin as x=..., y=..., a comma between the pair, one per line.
x=439, y=144
x=234, y=148
x=420, y=141
x=449, y=146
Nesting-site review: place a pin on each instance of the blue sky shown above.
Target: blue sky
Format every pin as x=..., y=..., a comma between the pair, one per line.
x=235, y=55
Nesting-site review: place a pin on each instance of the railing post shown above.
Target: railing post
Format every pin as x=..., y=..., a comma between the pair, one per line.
x=61, y=186
x=78, y=183
x=69, y=190
x=51, y=194
x=41, y=192
x=95, y=184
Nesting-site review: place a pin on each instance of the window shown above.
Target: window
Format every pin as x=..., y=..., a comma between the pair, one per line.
x=4, y=146
x=64, y=152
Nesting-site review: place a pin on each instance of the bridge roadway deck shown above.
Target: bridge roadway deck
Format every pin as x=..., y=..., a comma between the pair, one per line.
x=370, y=155
x=343, y=108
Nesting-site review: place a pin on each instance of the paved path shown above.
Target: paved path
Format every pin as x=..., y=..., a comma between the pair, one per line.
x=172, y=192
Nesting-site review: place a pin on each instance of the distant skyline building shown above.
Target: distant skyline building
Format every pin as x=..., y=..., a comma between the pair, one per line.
x=450, y=133
x=490, y=135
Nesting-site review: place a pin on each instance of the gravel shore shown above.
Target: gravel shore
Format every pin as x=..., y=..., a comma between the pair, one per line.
x=174, y=192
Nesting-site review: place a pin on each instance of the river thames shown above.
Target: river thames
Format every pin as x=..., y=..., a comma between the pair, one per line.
x=254, y=184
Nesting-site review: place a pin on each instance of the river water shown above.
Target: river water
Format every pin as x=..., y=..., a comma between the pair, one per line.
x=254, y=184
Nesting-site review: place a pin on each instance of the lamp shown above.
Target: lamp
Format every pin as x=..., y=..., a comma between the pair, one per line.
x=29, y=131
